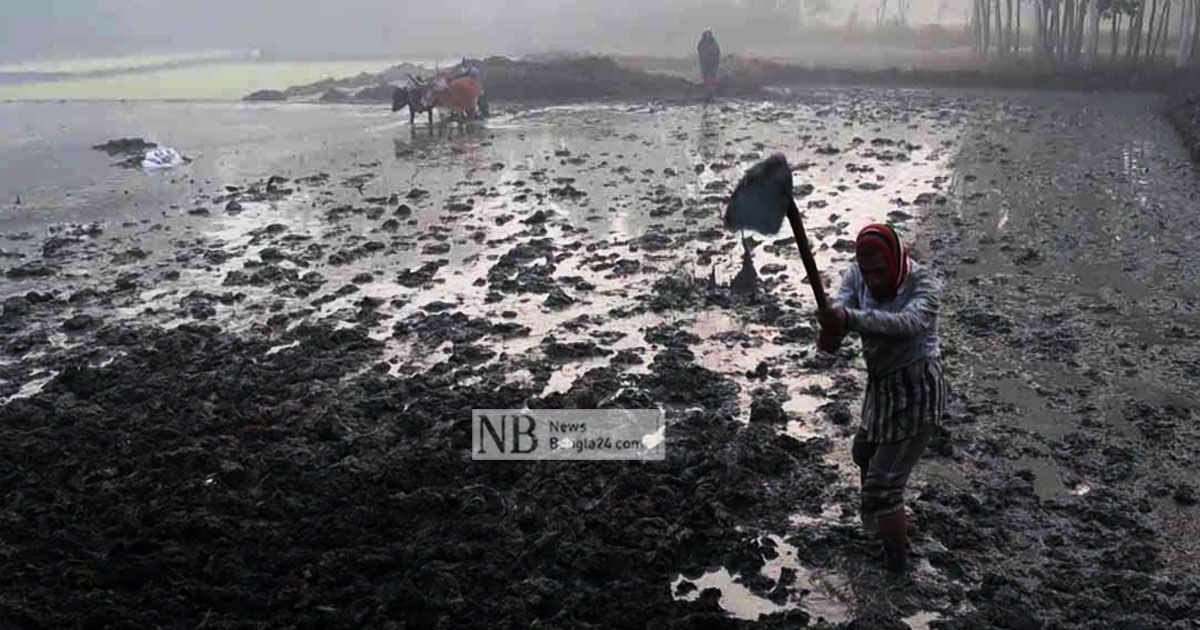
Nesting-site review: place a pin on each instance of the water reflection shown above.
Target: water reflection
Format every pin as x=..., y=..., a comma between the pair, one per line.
x=709, y=140
x=796, y=586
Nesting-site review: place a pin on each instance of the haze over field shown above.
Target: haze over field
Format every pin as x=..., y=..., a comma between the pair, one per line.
x=33, y=29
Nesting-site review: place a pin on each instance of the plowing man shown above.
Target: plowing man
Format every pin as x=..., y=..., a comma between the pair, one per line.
x=469, y=70
x=892, y=303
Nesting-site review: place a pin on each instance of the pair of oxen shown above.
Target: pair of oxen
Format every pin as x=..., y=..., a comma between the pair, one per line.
x=462, y=96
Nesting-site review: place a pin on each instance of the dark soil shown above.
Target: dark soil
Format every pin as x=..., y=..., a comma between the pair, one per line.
x=199, y=480
x=1183, y=110
x=1062, y=391
x=125, y=146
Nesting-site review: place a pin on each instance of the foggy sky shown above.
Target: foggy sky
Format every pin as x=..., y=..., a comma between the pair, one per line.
x=33, y=29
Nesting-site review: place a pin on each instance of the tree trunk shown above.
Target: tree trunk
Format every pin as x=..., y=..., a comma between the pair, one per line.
x=1080, y=17
x=1077, y=31
x=1187, y=33
x=1077, y=48
x=1148, y=30
x=1188, y=45
x=1164, y=18
x=1129, y=36
x=1001, y=45
x=1049, y=29
x=1194, y=38
x=1160, y=45
x=1068, y=43
x=1062, y=19
x=986, y=11
x=1008, y=26
x=1064, y=28
x=1194, y=54
x=1017, y=39
x=975, y=26
x=1039, y=26
x=1184, y=14
x=1133, y=38
x=1094, y=32
x=1116, y=30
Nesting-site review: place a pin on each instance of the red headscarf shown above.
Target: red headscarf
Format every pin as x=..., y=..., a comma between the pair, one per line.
x=886, y=240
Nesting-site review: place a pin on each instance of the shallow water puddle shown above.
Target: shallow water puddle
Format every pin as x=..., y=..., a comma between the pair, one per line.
x=831, y=514
x=562, y=379
x=281, y=347
x=813, y=590
x=736, y=599
x=803, y=431
x=1047, y=483
x=922, y=620
x=1033, y=414
x=29, y=388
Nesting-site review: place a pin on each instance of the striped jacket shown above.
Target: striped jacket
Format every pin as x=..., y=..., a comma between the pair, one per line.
x=905, y=388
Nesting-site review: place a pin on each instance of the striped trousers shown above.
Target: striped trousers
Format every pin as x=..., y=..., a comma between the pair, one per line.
x=900, y=411
x=901, y=403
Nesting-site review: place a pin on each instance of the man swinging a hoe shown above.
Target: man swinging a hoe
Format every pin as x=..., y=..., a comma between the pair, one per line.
x=891, y=302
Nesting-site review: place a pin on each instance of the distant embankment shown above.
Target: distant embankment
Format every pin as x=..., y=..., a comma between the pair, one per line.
x=13, y=78
x=40, y=72
x=597, y=77
x=601, y=78
x=365, y=87
x=1009, y=77
x=565, y=79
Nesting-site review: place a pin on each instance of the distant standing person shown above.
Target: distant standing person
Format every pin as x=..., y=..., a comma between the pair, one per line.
x=710, y=58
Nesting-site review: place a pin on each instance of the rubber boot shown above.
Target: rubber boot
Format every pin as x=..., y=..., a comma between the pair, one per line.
x=893, y=530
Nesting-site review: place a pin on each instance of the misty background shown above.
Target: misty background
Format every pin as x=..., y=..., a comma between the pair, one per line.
x=55, y=29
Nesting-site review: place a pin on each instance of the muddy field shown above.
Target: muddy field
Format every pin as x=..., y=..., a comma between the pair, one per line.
x=250, y=407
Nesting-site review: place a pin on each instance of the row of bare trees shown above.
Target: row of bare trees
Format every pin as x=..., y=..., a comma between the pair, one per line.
x=1060, y=33
x=987, y=15
x=1140, y=31
x=892, y=14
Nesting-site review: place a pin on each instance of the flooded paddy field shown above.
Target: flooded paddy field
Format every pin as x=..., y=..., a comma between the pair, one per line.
x=238, y=392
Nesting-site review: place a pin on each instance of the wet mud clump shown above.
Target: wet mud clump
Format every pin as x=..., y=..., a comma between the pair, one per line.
x=125, y=146
x=202, y=478
x=1183, y=110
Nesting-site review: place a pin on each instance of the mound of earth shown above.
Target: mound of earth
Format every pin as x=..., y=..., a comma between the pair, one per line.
x=125, y=146
x=266, y=95
x=1183, y=110
x=560, y=79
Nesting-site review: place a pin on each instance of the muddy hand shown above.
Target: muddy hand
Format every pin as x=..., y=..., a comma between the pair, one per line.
x=833, y=329
x=833, y=320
